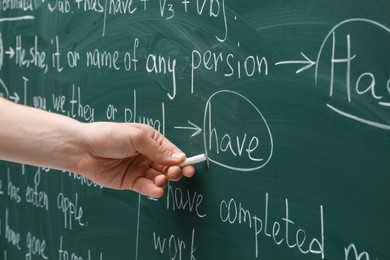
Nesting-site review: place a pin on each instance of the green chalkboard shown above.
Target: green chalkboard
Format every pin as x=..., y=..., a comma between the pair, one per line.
x=290, y=100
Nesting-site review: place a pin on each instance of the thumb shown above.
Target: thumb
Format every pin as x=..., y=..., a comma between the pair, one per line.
x=157, y=148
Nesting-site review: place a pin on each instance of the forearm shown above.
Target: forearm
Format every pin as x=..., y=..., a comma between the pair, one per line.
x=36, y=137
x=119, y=156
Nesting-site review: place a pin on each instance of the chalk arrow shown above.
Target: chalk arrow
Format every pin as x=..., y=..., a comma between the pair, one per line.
x=15, y=98
x=193, y=127
x=10, y=52
x=307, y=62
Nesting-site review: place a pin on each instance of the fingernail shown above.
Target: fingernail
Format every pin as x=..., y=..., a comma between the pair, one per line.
x=177, y=156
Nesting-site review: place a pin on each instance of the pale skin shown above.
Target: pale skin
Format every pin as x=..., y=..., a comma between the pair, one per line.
x=121, y=156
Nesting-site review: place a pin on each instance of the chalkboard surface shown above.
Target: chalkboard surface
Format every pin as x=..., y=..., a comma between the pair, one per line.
x=290, y=100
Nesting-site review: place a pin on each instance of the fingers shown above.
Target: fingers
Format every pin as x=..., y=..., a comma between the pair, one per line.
x=147, y=187
x=160, y=150
x=153, y=181
x=162, y=158
x=174, y=173
x=188, y=171
x=156, y=147
x=157, y=177
x=148, y=182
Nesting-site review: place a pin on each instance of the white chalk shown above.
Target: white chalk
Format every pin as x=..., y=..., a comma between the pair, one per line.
x=194, y=159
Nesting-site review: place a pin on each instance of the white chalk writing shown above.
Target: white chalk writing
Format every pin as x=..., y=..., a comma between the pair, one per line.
x=71, y=210
x=235, y=213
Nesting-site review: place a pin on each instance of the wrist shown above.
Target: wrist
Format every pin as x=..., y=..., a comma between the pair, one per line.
x=75, y=146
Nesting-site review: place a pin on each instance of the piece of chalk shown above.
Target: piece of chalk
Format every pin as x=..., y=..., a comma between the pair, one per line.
x=194, y=159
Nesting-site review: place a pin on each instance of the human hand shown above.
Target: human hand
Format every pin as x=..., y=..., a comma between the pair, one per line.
x=130, y=156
